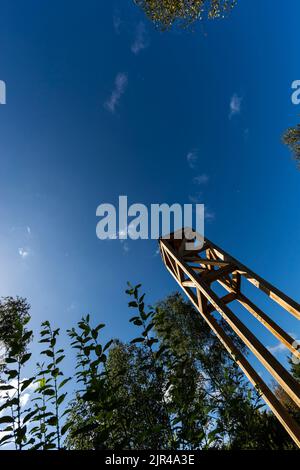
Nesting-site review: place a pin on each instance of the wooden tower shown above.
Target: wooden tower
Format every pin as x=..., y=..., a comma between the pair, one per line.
x=196, y=271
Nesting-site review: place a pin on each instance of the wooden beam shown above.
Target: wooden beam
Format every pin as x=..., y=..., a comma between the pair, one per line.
x=275, y=329
x=285, y=379
x=207, y=262
x=278, y=409
x=217, y=274
x=226, y=299
x=275, y=294
x=204, y=295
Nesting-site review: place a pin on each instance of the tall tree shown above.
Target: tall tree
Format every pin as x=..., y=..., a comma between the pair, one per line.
x=173, y=387
x=15, y=338
x=14, y=316
x=166, y=13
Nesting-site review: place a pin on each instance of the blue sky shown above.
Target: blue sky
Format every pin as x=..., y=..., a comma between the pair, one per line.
x=100, y=104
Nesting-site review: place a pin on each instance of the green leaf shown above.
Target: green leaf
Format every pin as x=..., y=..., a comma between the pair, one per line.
x=26, y=384
x=103, y=358
x=45, y=332
x=9, y=403
x=49, y=392
x=52, y=421
x=147, y=329
x=10, y=360
x=85, y=429
x=108, y=345
x=133, y=304
x=29, y=416
x=134, y=319
x=7, y=387
x=12, y=374
x=6, y=419
x=144, y=316
x=61, y=398
x=27, y=336
x=25, y=358
x=94, y=333
x=5, y=438
x=48, y=353
x=137, y=340
x=64, y=382
x=152, y=341
x=65, y=428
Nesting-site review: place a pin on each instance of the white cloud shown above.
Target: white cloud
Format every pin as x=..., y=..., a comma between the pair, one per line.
x=23, y=252
x=201, y=179
x=196, y=199
x=235, y=105
x=209, y=215
x=121, y=82
x=124, y=232
x=24, y=398
x=192, y=158
x=141, y=40
x=157, y=251
x=28, y=230
x=278, y=348
x=11, y=393
x=71, y=307
x=125, y=247
x=117, y=22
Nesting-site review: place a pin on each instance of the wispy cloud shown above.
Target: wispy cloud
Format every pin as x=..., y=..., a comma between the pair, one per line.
x=141, y=40
x=196, y=198
x=124, y=232
x=125, y=247
x=157, y=251
x=235, y=105
x=117, y=22
x=192, y=158
x=201, y=179
x=24, y=396
x=71, y=307
x=209, y=215
x=121, y=82
x=23, y=252
x=278, y=348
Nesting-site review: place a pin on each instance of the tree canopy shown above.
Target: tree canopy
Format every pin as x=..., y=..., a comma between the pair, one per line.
x=166, y=13
x=291, y=138
x=173, y=386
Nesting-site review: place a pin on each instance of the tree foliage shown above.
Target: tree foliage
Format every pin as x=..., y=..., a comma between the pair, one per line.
x=173, y=386
x=14, y=315
x=291, y=138
x=166, y=13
